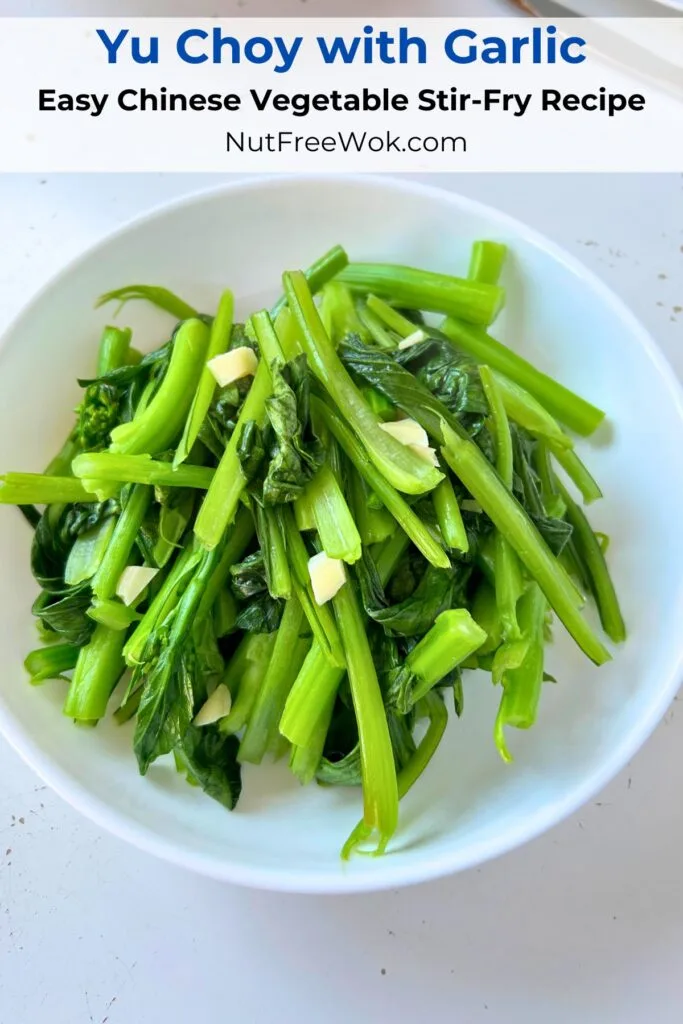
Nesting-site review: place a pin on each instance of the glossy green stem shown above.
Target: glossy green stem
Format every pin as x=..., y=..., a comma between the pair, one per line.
x=99, y=667
x=222, y=498
x=318, y=274
x=288, y=655
x=117, y=555
x=93, y=467
x=39, y=489
x=591, y=554
x=333, y=519
x=408, y=520
x=470, y=465
x=577, y=473
x=380, y=791
x=402, y=468
x=472, y=301
x=449, y=516
x=486, y=262
x=219, y=341
x=114, y=350
x=570, y=409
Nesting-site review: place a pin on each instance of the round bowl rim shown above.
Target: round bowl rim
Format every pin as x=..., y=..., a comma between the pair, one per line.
x=386, y=875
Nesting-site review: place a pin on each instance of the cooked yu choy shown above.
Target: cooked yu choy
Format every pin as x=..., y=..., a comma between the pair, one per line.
x=296, y=533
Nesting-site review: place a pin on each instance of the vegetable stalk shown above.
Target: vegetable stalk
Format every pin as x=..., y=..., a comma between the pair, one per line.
x=470, y=465
x=39, y=489
x=408, y=520
x=380, y=792
x=569, y=408
x=219, y=340
x=591, y=554
x=227, y=486
x=453, y=638
x=522, y=684
x=474, y=302
x=118, y=552
x=157, y=428
x=508, y=578
x=99, y=667
x=402, y=468
x=288, y=655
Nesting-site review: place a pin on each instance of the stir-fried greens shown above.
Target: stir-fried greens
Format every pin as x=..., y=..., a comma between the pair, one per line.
x=291, y=536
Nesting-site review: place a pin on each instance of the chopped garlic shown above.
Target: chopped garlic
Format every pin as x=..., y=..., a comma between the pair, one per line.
x=413, y=339
x=327, y=576
x=133, y=581
x=216, y=707
x=407, y=431
x=425, y=452
x=231, y=366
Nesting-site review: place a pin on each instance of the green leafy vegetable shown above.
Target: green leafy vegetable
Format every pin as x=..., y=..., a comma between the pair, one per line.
x=209, y=759
x=403, y=469
x=569, y=408
x=221, y=507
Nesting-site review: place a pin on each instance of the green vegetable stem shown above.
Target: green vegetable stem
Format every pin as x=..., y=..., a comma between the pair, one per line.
x=158, y=427
x=474, y=302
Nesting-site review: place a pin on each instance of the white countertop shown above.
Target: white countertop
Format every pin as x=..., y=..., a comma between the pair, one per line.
x=583, y=925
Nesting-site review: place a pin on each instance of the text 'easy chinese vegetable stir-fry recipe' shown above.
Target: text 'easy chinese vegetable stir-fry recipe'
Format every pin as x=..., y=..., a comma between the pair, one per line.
x=289, y=537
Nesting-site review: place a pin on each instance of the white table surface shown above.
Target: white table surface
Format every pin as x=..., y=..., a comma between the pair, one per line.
x=583, y=925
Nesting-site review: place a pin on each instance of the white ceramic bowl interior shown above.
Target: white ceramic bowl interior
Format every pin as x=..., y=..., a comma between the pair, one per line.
x=468, y=806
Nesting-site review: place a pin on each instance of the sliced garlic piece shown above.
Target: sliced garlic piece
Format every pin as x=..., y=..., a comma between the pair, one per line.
x=413, y=339
x=425, y=452
x=133, y=581
x=216, y=707
x=231, y=366
x=407, y=432
x=327, y=576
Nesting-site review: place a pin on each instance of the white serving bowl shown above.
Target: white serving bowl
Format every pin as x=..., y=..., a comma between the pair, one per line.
x=468, y=806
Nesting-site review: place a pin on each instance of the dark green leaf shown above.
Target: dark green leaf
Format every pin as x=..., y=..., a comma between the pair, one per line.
x=458, y=696
x=210, y=761
x=400, y=683
x=261, y=615
x=209, y=664
x=452, y=377
x=248, y=577
x=258, y=612
x=370, y=585
x=65, y=614
x=123, y=376
x=382, y=370
x=555, y=532
x=408, y=573
x=527, y=488
x=437, y=591
x=30, y=514
x=55, y=534
x=294, y=452
x=166, y=709
x=251, y=450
